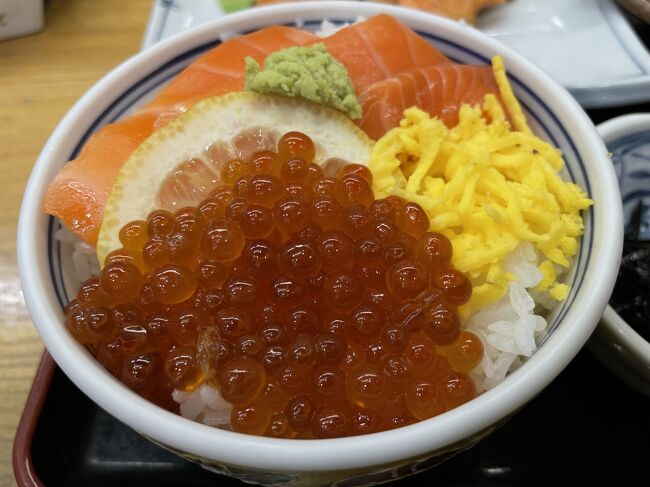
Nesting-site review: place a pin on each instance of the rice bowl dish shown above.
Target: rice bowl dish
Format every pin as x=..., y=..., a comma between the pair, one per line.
x=510, y=328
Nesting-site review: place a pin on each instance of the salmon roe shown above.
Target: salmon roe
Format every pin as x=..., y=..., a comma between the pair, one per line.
x=314, y=309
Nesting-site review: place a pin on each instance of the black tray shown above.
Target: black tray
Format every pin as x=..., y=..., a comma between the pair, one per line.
x=586, y=425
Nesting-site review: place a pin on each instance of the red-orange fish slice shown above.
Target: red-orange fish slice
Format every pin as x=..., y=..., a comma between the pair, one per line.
x=379, y=48
x=440, y=90
x=78, y=193
x=221, y=70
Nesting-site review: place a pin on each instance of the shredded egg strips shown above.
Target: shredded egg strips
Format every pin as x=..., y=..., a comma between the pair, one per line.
x=487, y=187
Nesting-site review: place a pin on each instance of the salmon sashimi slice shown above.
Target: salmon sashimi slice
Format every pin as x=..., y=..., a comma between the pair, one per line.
x=78, y=193
x=439, y=90
x=380, y=48
x=221, y=70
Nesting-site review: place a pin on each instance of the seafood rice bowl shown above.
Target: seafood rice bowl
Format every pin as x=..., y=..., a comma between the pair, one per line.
x=307, y=235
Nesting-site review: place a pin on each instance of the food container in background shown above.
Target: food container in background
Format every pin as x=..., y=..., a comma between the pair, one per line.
x=20, y=17
x=622, y=346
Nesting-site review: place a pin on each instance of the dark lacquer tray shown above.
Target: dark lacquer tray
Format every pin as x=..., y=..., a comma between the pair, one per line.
x=586, y=426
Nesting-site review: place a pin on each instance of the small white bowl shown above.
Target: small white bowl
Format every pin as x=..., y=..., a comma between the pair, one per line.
x=554, y=115
x=615, y=343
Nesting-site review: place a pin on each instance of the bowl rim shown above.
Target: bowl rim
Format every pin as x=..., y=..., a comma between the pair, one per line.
x=616, y=334
x=334, y=454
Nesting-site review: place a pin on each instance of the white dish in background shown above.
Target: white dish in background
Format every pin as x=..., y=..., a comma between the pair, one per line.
x=20, y=17
x=169, y=17
x=588, y=46
x=624, y=351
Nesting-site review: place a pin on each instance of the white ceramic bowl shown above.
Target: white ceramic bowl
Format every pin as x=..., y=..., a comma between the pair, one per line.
x=616, y=343
x=553, y=114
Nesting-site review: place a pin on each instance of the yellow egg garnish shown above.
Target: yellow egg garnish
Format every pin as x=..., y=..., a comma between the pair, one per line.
x=488, y=187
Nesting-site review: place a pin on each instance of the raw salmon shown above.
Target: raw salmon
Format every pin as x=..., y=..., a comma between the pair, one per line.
x=439, y=90
x=78, y=193
x=379, y=48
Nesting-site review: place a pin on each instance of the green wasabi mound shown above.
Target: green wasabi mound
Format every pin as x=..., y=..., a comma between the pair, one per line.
x=305, y=72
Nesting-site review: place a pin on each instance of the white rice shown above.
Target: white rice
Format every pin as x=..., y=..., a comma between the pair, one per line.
x=328, y=28
x=509, y=329
x=205, y=405
x=84, y=255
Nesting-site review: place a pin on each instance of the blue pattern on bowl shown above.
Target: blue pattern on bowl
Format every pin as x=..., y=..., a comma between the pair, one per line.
x=631, y=159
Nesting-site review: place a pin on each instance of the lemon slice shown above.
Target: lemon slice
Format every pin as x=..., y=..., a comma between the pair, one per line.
x=177, y=156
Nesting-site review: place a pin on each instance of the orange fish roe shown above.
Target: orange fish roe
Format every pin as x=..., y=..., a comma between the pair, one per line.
x=316, y=310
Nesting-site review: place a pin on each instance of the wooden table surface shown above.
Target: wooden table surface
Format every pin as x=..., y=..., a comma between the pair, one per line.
x=41, y=77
